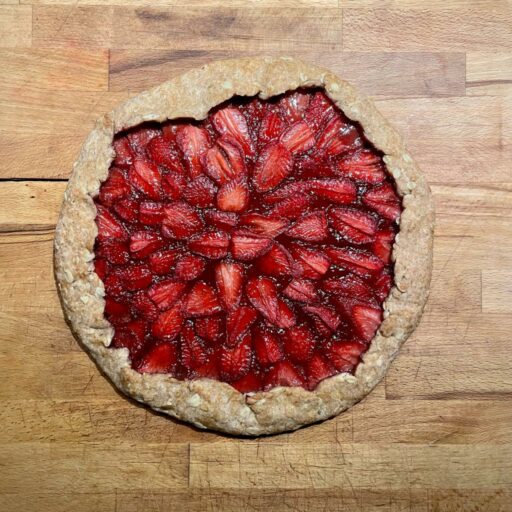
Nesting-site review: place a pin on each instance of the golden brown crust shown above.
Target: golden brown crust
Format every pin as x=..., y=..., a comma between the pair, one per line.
x=208, y=403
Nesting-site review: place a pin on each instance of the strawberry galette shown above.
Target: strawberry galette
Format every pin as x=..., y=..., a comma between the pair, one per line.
x=245, y=247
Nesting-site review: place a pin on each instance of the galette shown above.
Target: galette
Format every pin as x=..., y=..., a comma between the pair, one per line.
x=246, y=246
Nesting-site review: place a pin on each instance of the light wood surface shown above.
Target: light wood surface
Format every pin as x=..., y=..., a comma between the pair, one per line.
x=436, y=435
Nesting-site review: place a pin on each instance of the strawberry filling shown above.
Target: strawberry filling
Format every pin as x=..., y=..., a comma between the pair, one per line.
x=253, y=247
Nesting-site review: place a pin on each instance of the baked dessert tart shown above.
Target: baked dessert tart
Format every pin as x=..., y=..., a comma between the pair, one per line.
x=246, y=246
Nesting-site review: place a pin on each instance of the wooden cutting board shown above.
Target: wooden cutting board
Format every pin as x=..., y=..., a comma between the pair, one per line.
x=436, y=435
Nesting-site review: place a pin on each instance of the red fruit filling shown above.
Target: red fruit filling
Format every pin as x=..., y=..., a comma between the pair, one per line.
x=253, y=247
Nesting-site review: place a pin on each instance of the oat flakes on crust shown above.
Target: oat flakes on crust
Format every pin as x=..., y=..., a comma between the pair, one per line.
x=209, y=403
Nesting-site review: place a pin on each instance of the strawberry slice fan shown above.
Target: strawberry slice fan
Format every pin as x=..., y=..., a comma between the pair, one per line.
x=245, y=247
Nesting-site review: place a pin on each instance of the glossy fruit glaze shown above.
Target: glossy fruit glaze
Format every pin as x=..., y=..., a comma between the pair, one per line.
x=252, y=247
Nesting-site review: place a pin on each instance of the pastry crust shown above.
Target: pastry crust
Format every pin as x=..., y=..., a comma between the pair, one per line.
x=209, y=403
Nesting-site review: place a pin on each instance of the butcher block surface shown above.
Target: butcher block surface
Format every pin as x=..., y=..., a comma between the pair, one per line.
x=435, y=435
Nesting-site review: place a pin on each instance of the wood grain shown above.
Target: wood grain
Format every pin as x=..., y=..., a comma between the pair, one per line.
x=151, y=27
x=63, y=69
x=15, y=26
x=209, y=4
x=435, y=74
x=441, y=133
x=488, y=73
x=36, y=111
x=435, y=435
x=28, y=155
x=295, y=466
x=482, y=29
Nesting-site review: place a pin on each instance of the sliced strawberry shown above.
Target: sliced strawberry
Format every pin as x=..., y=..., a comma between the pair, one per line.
x=274, y=164
x=189, y=267
x=210, y=244
x=254, y=111
x=117, y=311
x=114, y=251
x=200, y=192
x=180, y=221
x=130, y=336
x=143, y=243
x=320, y=109
x=168, y=324
x=100, y=267
x=265, y=225
x=135, y=277
x=293, y=106
x=282, y=227
x=350, y=258
x=233, y=196
x=108, y=225
x=384, y=201
x=144, y=307
x=230, y=121
x=311, y=227
x=315, y=166
x=127, y=209
x=313, y=263
x=383, y=244
x=338, y=137
x=344, y=355
x=292, y=189
x=341, y=191
x=165, y=293
x=277, y=262
x=173, y=185
x=193, y=353
x=235, y=362
x=113, y=283
x=364, y=165
x=219, y=167
x=286, y=317
x=210, y=328
x=353, y=225
x=160, y=359
x=161, y=262
x=383, y=285
x=238, y=322
x=145, y=177
x=160, y=151
x=124, y=153
x=292, y=207
x=234, y=155
x=221, y=220
x=114, y=188
x=246, y=246
x=267, y=347
x=262, y=294
x=328, y=316
x=348, y=286
x=201, y=301
x=169, y=131
x=382, y=194
x=272, y=126
x=320, y=327
x=249, y=384
x=366, y=320
x=140, y=137
x=229, y=279
x=298, y=138
x=193, y=142
x=301, y=290
x=209, y=370
x=151, y=213
x=318, y=369
x=284, y=373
